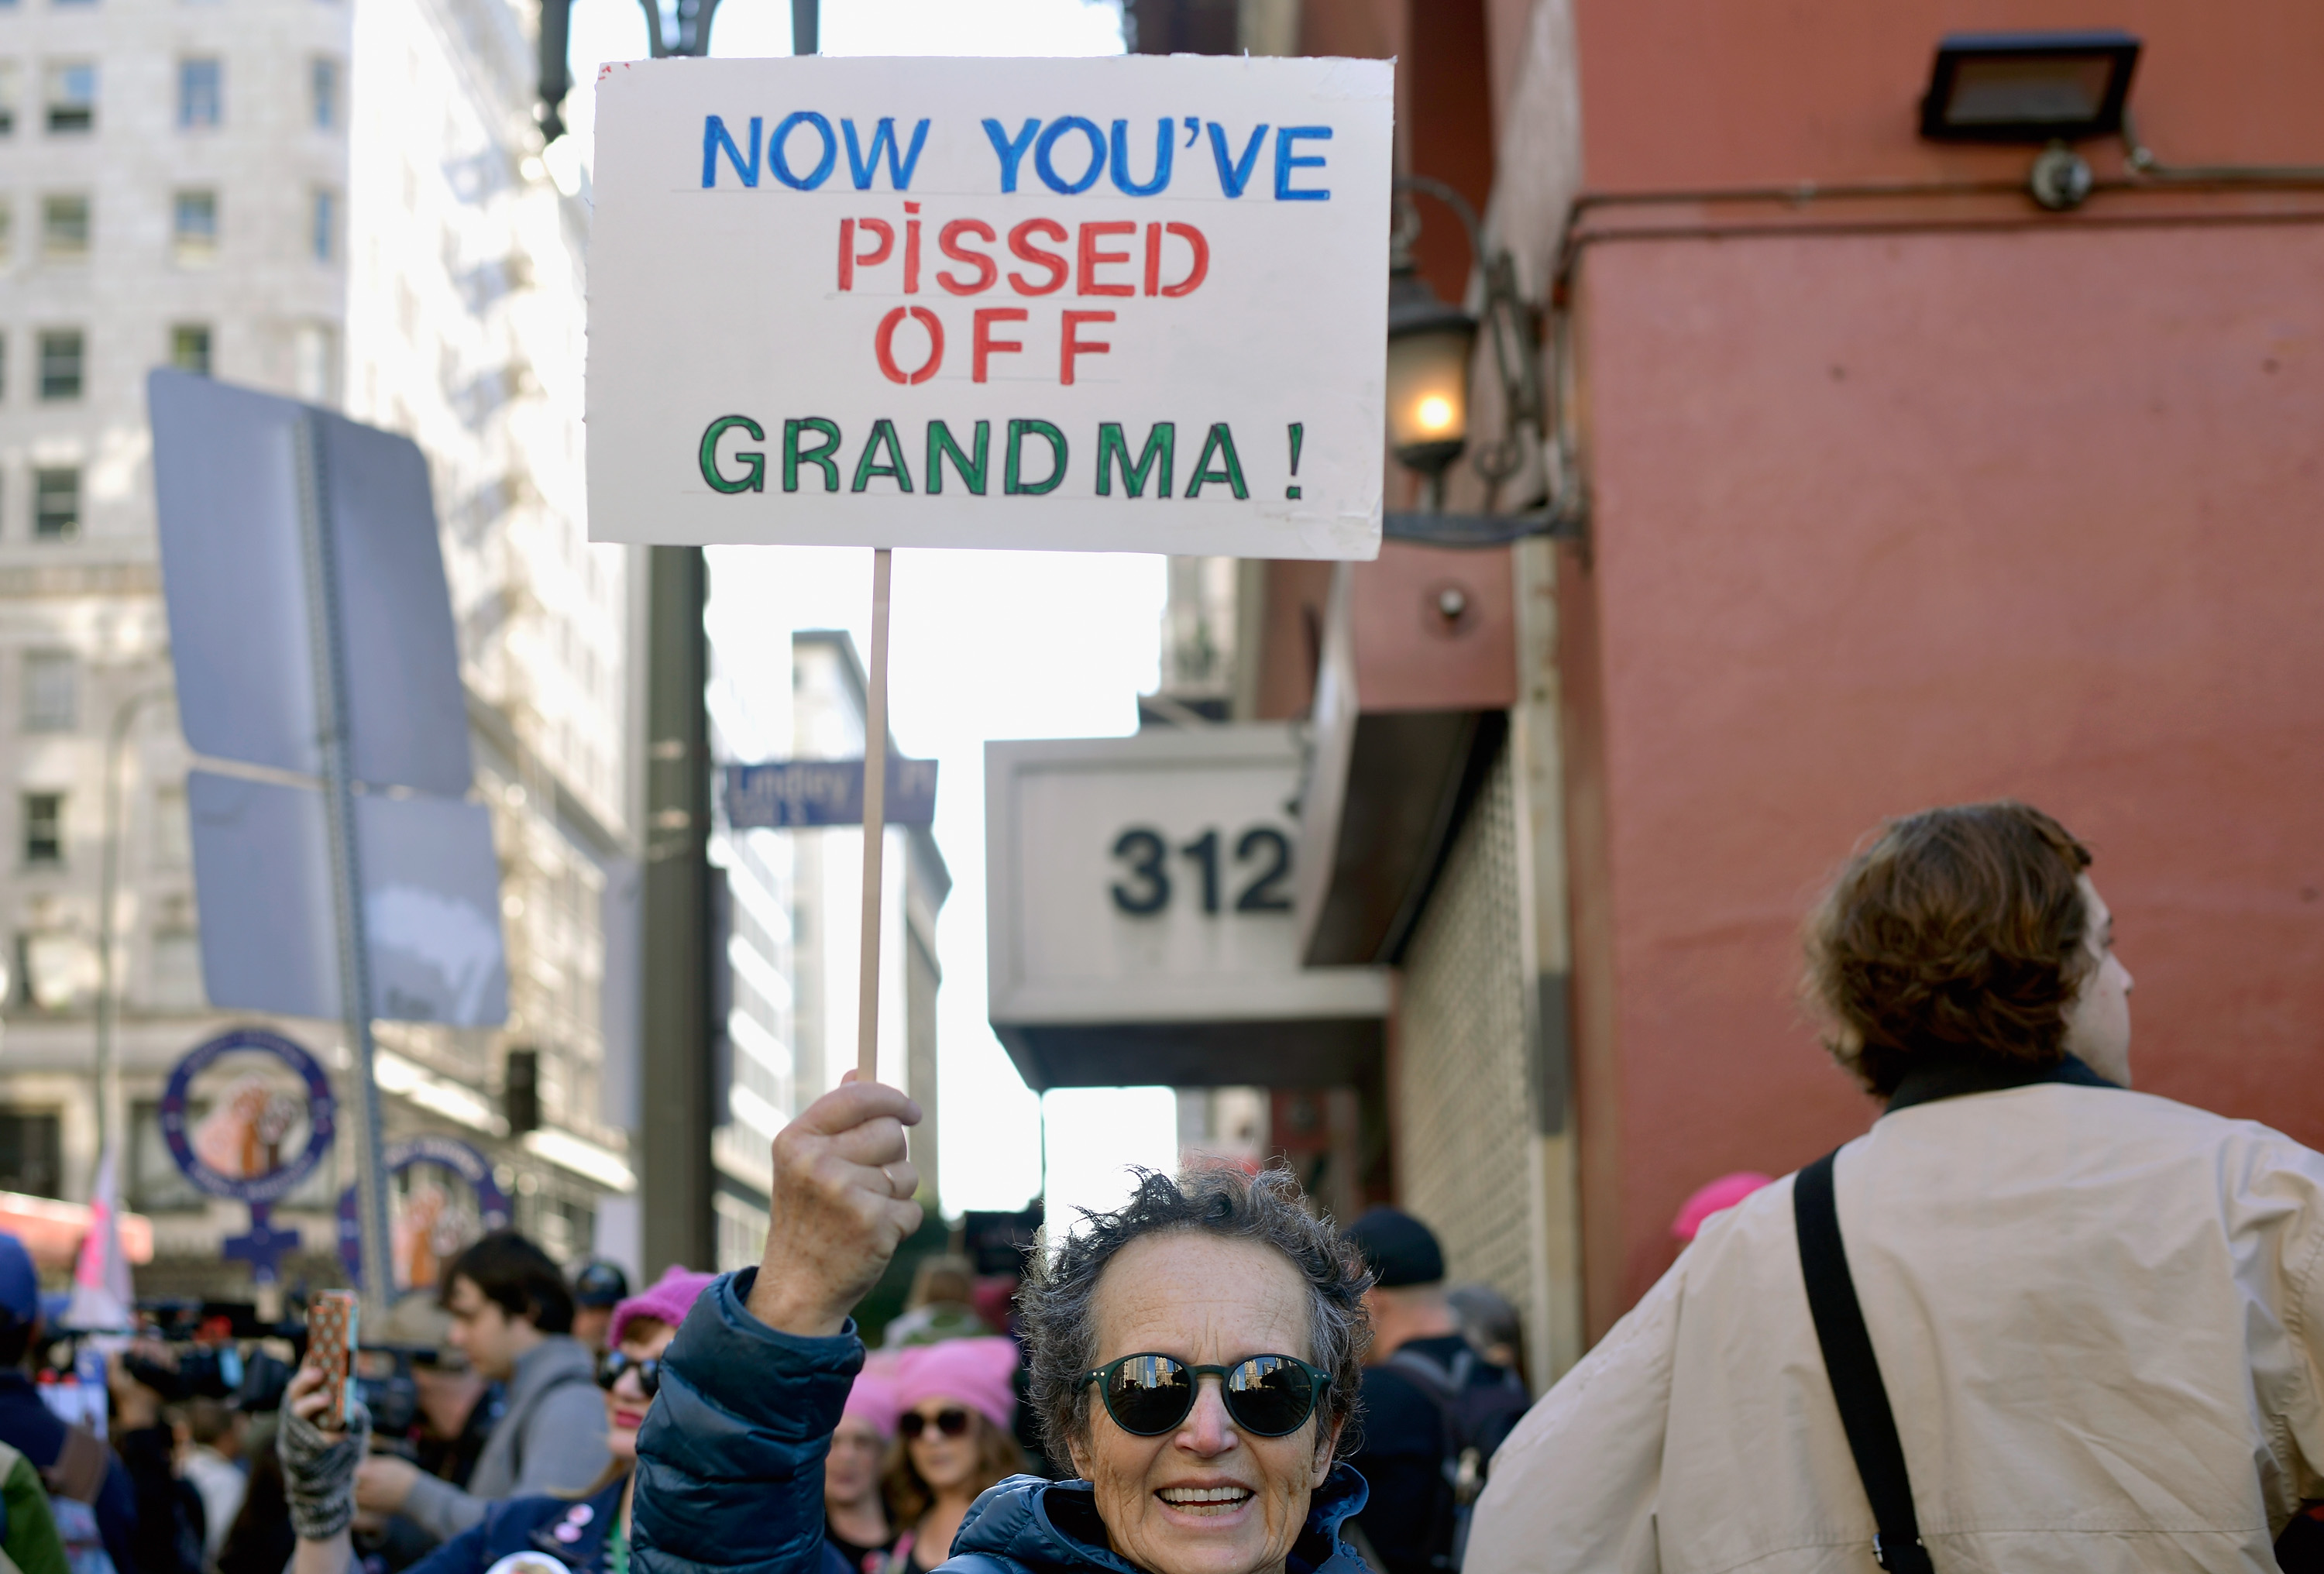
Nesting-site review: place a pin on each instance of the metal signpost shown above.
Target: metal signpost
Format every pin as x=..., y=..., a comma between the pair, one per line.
x=319, y=678
x=346, y=877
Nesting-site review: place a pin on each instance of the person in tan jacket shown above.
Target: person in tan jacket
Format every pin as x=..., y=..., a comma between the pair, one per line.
x=2098, y=1315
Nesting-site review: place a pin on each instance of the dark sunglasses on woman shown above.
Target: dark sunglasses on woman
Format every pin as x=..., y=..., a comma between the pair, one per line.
x=614, y=1363
x=953, y=1423
x=1268, y=1396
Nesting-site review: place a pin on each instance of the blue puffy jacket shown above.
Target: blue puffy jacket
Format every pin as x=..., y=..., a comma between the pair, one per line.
x=730, y=1467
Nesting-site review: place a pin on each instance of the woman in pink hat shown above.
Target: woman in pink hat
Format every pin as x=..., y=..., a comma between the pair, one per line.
x=959, y=1422
x=855, y=1520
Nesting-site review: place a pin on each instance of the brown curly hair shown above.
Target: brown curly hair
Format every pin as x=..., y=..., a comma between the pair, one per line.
x=1957, y=933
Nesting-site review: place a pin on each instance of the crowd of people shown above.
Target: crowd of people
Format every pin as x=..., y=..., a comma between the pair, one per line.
x=507, y=1405
x=2031, y=1321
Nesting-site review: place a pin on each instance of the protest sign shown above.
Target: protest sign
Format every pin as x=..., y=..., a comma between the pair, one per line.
x=1129, y=304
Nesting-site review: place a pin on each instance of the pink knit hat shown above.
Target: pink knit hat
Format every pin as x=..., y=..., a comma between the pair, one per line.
x=872, y=1399
x=975, y=1371
x=669, y=1301
x=1716, y=1198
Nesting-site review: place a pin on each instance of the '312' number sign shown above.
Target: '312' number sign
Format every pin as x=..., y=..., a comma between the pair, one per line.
x=1148, y=888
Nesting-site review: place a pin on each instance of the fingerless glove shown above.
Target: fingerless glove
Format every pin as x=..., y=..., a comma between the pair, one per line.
x=319, y=1471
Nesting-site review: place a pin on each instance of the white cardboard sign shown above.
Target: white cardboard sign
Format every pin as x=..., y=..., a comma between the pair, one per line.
x=1131, y=304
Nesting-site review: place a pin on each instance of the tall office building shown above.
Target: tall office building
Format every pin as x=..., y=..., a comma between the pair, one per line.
x=789, y=902
x=342, y=200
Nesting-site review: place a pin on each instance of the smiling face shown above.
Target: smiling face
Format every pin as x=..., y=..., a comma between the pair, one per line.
x=626, y=1403
x=945, y=1460
x=1206, y=1498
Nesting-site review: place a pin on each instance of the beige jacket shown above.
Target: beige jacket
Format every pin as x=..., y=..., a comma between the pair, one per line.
x=2099, y=1316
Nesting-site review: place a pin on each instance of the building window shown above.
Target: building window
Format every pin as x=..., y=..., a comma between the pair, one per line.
x=64, y=229
x=201, y=97
x=58, y=970
x=194, y=228
x=50, y=681
x=176, y=982
x=315, y=363
x=7, y=233
x=323, y=84
x=323, y=226
x=7, y=97
x=32, y=1152
x=189, y=347
x=173, y=829
x=72, y=97
x=44, y=828
x=56, y=504
x=60, y=362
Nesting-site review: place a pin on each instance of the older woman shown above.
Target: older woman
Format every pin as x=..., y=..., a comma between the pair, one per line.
x=587, y=1533
x=1195, y=1355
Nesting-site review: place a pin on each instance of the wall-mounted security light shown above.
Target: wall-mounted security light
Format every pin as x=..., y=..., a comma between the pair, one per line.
x=2028, y=87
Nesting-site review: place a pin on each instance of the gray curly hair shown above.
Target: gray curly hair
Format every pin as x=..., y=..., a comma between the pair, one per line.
x=1059, y=1299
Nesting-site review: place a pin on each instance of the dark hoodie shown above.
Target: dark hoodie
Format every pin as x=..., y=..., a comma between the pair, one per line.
x=730, y=1467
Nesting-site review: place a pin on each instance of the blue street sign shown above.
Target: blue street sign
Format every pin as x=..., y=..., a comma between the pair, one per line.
x=789, y=794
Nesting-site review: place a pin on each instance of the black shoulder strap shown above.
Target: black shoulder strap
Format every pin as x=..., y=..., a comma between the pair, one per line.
x=1855, y=1373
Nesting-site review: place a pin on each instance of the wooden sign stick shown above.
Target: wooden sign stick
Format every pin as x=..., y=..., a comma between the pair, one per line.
x=875, y=819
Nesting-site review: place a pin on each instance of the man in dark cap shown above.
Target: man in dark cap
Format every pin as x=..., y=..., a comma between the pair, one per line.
x=1434, y=1410
x=597, y=1288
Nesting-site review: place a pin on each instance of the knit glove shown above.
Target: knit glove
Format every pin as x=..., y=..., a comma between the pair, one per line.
x=318, y=1470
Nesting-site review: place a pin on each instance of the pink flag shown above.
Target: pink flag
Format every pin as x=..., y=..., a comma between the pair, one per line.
x=102, y=1295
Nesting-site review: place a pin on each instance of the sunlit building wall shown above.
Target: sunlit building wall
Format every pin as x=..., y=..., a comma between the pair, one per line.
x=340, y=202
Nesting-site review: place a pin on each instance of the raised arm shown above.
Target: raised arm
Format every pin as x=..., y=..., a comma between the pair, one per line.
x=318, y=1476
x=730, y=1461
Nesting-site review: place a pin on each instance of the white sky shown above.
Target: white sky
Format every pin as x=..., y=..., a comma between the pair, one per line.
x=984, y=645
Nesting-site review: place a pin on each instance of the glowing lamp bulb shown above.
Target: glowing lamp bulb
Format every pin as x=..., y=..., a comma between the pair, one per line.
x=1434, y=413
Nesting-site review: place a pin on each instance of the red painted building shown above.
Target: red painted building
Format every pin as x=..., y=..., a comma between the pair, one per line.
x=1892, y=488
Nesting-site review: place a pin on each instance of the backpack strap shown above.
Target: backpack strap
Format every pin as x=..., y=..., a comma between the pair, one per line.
x=1855, y=1373
x=77, y=1471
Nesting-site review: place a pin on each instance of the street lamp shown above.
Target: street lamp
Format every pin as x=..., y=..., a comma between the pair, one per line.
x=1430, y=345
x=1429, y=342
x=108, y=1007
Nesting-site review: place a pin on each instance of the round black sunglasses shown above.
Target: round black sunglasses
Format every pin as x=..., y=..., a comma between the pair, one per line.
x=1268, y=1396
x=953, y=1423
x=614, y=1363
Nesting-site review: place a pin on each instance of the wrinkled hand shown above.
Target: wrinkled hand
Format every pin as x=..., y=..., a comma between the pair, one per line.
x=842, y=1203
x=382, y=1482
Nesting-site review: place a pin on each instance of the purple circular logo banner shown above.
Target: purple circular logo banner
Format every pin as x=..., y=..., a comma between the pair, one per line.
x=259, y=1133
x=429, y=1224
